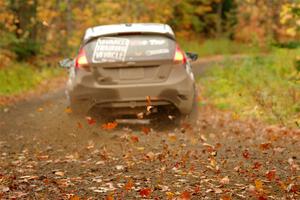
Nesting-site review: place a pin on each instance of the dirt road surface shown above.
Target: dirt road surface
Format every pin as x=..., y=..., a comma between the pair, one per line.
x=47, y=155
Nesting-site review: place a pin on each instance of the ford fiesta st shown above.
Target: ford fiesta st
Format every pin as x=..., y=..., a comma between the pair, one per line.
x=131, y=69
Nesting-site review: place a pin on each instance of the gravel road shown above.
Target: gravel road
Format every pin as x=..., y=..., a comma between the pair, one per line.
x=45, y=154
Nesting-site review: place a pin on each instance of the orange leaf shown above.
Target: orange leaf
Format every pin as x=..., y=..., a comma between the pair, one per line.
x=145, y=192
x=258, y=184
x=79, y=125
x=109, y=197
x=148, y=100
x=74, y=198
x=185, y=195
x=68, y=110
x=265, y=146
x=170, y=195
x=128, y=186
x=109, y=125
x=225, y=197
x=134, y=138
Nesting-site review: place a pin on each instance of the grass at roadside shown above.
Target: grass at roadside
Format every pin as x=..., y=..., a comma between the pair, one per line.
x=22, y=77
x=219, y=47
x=265, y=87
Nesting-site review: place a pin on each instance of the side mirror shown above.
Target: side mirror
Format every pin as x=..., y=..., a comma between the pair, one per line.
x=66, y=63
x=192, y=56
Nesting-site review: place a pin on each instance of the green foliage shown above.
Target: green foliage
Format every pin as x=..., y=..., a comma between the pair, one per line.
x=220, y=46
x=22, y=77
x=263, y=87
x=25, y=49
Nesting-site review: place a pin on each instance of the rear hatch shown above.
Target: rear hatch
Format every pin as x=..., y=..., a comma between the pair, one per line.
x=130, y=59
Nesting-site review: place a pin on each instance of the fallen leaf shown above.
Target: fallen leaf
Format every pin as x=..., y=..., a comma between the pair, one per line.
x=258, y=184
x=128, y=186
x=68, y=110
x=119, y=167
x=185, y=195
x=271, y=174
x=246, y=154
x=59, y=173
x=172, y=137
x=225, y=197
x=218, y=191
x=74, y=197
x=225, y=180
x=145, y=192
x=265, y=146
x=150, y=155
x=170, y=195
x=40, y=109
x=109, y=197
x=134, y=138
x=256, y=165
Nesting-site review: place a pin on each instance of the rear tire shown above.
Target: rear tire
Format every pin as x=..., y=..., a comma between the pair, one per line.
x=192, y=117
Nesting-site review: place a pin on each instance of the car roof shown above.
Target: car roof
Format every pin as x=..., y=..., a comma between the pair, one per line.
x=115, y=29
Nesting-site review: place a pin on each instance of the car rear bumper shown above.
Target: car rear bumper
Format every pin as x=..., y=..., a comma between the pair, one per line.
x=177, y=91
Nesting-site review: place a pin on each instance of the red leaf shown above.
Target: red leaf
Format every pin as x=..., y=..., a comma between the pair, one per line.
x=256, y=165
x=271, y=174
x=197, y=190
x=265, y=146
x=146, y=130
x=145, y=192
x=90, y=120
x=134, y=138
x=246, y=154
x=79, y=125
x=185, y=195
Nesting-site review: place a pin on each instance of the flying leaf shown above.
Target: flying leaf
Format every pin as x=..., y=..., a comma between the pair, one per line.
x=145, y=130
x=145, y=192
x=79, y=125
x=90, y=120
x=109, y=125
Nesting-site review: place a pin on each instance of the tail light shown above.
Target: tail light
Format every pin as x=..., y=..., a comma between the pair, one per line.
x=179, y=56
x=81, y=60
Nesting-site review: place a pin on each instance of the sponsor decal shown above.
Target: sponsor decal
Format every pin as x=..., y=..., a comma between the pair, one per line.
x=110, y=50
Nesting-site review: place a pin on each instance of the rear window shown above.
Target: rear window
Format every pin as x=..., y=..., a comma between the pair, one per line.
x=130, y=48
